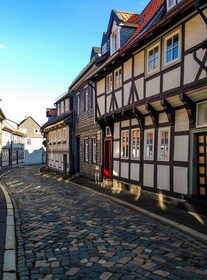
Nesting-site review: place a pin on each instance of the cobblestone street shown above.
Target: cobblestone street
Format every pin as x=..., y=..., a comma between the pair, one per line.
x=65, y=232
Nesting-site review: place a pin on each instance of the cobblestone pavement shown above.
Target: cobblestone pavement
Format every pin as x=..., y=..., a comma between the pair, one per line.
x=65, y=232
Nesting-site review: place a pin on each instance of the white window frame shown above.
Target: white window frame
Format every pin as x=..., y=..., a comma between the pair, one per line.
x=118, y=77
x=165, y=39
x=172, y=5
x=146, y=145
x=94, y=146
x=114, y=41
x=165, y=146
x=86, y=150
x=157, y=68
x=109, y=83
x=78, y=104
x=124, y=148
x=197, y=115
x=135, y=155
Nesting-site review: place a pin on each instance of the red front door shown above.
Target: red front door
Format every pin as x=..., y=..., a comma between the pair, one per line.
x=107, y=158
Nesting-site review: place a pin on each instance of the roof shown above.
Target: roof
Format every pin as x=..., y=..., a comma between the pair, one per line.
x=145, y=17
x=122, y=19
x=54, y=119
x=22, y=122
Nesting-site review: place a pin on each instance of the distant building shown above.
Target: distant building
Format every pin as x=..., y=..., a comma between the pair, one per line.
x=33, y=142
x=12, y=143
x=58, y=134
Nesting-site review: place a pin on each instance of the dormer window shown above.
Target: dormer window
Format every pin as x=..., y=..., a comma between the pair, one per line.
x=104, y=48
x=114, y=41
x=172, y=3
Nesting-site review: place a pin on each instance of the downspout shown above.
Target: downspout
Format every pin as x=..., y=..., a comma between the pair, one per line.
x=200, y=11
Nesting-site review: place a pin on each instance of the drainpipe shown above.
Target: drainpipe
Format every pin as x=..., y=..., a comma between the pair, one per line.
x=200, y=11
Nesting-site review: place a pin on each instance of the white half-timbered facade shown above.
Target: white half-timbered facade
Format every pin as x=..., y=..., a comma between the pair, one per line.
x=151, y=102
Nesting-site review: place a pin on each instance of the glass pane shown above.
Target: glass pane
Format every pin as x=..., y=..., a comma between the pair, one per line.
x=169, y=44
x=201, y=170
x=201, y=149
x=168, y=56
x=202, y=180
x=175, y=53
x=202, y=191
x=201, y=139
x=175, y=40
x=201, y=159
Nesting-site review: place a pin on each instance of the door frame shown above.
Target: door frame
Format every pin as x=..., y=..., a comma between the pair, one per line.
x=110, y=154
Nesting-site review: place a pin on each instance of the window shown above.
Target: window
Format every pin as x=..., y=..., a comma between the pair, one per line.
x=172, y=48
x=85, y=99
x=86, y=150
x=37, y=131
x=118, y=78
x=29, y=141
x=114, y=42
x=153, y=59
x=163, y=148
x=78, y=104
x=125, y=144
x=135, y=136
x=170, y=4
x=201, y=119
x=109, y=83
x=104, y=48
x=62, y=107
x=92, y=96
x=149, y=144
x=94, y=150
x=108, y=131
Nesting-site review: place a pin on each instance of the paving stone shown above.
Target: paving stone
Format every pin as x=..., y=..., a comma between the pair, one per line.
x=69, y=233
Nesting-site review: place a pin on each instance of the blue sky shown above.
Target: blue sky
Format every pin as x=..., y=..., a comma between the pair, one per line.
x=44, y=44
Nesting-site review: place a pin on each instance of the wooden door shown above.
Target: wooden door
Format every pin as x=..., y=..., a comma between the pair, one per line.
x=202, y=165
x=107, y=172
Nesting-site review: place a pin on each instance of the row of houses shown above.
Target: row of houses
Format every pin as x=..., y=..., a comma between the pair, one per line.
x=20, y=143
x=137, y=113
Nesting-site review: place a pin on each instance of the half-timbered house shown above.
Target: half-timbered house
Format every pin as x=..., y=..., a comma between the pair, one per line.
x=58, y=131
x=151, y=96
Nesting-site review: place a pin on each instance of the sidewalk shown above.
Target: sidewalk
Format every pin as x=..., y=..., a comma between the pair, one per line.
x=3, y=213
x=187, y=220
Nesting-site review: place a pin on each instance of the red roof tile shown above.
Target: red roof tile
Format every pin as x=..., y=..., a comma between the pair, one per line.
x=128, y=17
x=145, y=17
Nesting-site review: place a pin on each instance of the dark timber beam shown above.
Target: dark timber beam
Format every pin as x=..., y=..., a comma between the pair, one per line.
x=190, y=107
x=153, y=114
x=169, y=110
x=139, y=117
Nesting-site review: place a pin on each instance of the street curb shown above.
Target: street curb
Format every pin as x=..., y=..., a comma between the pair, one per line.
x=189, y=231
x=9, y=260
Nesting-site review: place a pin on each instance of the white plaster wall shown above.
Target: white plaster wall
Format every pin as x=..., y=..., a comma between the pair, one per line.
x=116, y=168
x=181, y=120
x=163, y=118
x=108, y=103
x=149, y=175
x=134, y=172
x=139, y=63
x=116, y=149
x=140, y=87
x=134, y=122
x=128, y=69
x=195, y=32
x=180, y=178
x=101, y=104
x=171, y=79
x=125, y=123
x=153, y=86
x=124, y=169
x=118, y=95
x=36, y=144
x=127, y=88
x=117, y=130
x=163, y=177
x=191, y=67
x=101, y=87
x=181, y=148
x=148, y=120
